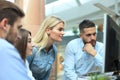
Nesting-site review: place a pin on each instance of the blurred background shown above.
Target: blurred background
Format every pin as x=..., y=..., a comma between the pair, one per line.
x=72, y=12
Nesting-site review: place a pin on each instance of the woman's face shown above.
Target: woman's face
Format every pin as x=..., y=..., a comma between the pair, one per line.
x=29, y=46
x=57, y=32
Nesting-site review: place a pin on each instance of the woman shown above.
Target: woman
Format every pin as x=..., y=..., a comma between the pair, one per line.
x=24, y=47
x=44, y=52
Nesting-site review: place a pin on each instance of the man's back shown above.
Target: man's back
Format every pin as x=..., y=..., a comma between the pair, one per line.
x=12, y=66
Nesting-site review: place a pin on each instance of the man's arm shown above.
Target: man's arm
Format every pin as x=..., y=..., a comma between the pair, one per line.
x=69, y=64
x=99, y=57
x=97, y=54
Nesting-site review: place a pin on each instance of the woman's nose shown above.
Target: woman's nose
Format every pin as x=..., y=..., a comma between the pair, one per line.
x=63, y=33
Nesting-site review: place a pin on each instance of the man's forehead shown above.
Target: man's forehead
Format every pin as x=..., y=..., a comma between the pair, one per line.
x=90, y=30
x=19, y=22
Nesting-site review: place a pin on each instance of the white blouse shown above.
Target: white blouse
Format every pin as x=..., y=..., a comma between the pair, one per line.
x=29, y=71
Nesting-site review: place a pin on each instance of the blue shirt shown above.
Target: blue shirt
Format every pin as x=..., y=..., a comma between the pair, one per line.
x=12, y=67
x=41, y=62
x=78, y=62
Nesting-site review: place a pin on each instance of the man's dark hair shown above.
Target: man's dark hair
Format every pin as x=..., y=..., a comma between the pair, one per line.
x=10, y=11
x=85, y=24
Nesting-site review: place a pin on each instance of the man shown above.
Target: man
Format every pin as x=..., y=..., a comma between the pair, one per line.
x=12, y=67
x=83, y=55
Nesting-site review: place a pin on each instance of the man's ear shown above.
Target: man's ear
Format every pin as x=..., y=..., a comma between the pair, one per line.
x=4, y=23
x=80, y=34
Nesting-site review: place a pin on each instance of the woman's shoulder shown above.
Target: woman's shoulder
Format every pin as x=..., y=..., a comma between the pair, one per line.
x=55, y=48
x=35, y=49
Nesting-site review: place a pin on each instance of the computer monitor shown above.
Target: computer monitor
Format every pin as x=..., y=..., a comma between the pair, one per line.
x=112, y=45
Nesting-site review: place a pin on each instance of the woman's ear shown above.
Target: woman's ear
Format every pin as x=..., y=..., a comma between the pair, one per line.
x=48, y=30
x=4, y=23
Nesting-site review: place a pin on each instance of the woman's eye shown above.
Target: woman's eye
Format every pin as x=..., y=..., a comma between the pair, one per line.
x=61, y=29
x=29, y=40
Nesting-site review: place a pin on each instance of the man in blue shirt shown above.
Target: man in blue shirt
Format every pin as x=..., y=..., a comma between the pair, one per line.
x=83, y=55
x=12, y=67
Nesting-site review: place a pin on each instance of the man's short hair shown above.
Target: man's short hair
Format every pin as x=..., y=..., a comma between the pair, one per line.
x=10, y=11
x=85, y=24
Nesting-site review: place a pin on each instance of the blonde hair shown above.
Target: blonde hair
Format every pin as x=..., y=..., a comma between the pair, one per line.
x=41, y=38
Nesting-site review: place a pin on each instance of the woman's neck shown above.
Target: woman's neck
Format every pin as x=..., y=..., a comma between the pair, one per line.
x=50, y=43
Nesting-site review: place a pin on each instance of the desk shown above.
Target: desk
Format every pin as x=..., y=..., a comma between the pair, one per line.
x=84, y=78
x=102, y=77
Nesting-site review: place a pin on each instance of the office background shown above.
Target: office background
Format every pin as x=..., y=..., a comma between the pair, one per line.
x=72, y=12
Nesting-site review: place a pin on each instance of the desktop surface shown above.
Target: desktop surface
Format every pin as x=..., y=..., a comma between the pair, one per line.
x=103, y=76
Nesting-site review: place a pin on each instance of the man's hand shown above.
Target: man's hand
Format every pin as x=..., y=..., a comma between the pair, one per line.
x=89, y=49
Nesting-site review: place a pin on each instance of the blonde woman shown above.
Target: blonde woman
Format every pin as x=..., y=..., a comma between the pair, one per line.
x=44, y=52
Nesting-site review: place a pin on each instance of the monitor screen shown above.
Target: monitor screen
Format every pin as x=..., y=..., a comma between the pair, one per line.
x=111, y=41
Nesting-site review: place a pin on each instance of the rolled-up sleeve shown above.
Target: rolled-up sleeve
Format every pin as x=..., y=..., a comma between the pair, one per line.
x=99, y=57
